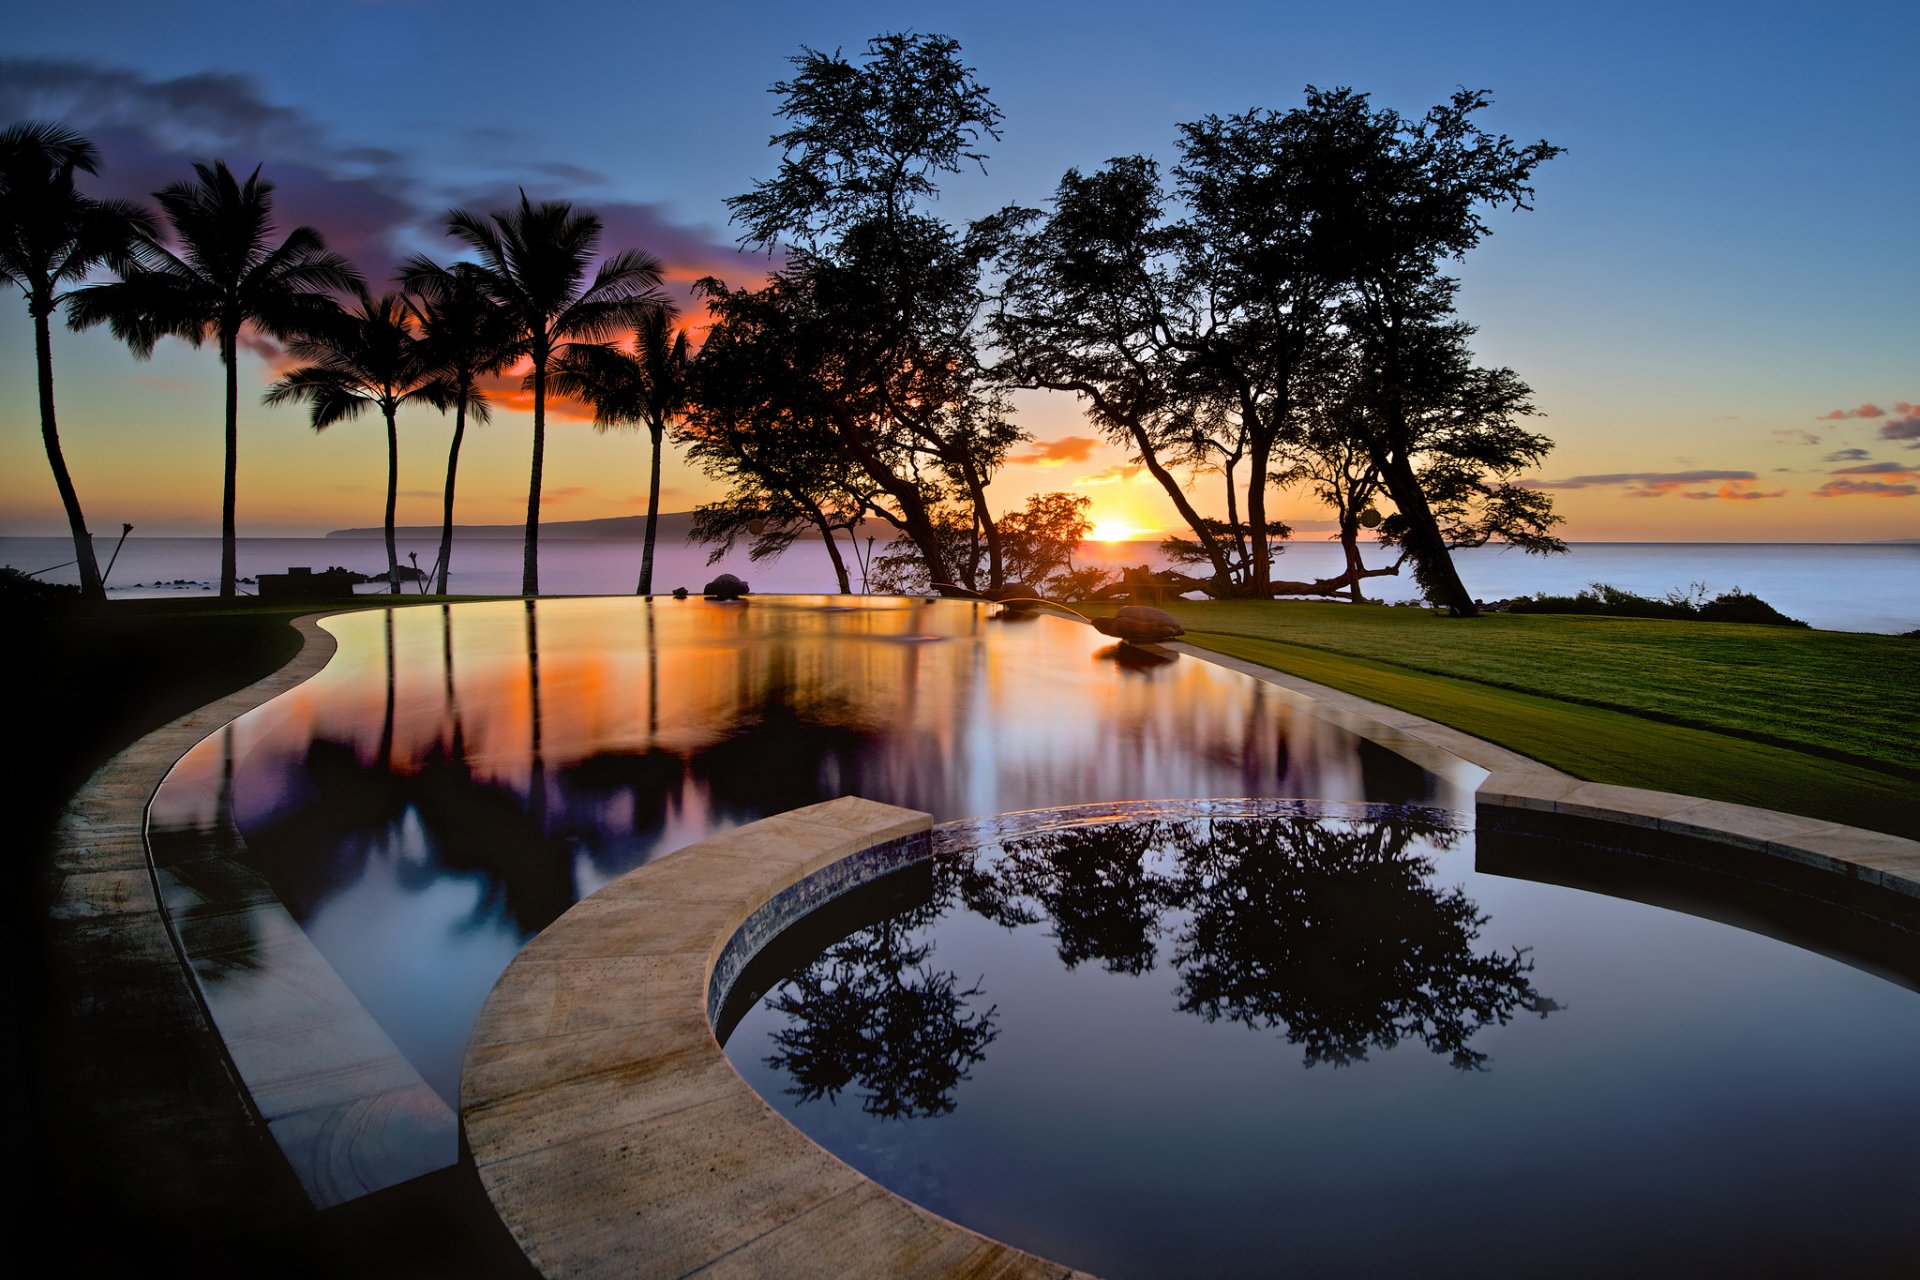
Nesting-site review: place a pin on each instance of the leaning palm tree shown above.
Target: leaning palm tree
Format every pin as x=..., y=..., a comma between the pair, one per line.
x=648, y=388
x=225, y=276
x=370, y=358
x=536, y=260
x=468, y=336
x=50, y=236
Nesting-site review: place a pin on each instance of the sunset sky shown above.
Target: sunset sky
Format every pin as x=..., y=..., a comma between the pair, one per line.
x=1714, y=298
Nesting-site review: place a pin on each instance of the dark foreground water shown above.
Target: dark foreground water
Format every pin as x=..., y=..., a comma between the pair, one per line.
x=457, y=777
x=1329, y=1043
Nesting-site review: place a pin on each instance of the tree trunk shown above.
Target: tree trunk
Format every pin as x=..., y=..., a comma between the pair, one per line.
x=453, y=469
x=1432, y=563
x=839, y=565
x=91, y=588
x=653, y=514
x=229, y=353
x=530, y=564
x=393, y=493
x=1350, y=545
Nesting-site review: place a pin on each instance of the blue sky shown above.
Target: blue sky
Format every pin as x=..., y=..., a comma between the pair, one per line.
x=1724, y=255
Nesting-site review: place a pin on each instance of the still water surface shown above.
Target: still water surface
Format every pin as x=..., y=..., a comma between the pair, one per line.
x=458, y=776
x=1330, y=1042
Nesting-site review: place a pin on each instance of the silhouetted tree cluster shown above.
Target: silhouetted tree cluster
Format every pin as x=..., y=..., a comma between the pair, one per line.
x=210, y=269
x=1279, y=311
x=1282, y=312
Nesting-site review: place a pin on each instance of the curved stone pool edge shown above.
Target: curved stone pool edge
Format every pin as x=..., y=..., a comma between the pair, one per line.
x=149, y=1111
x=609, y=1130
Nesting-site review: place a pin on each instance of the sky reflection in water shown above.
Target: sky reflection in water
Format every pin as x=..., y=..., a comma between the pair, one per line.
x=457, y=777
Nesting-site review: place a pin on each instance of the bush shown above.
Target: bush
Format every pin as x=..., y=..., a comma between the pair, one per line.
x=1690, y=605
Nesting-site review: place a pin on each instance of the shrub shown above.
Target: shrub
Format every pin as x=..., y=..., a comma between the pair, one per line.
x=1689, y=605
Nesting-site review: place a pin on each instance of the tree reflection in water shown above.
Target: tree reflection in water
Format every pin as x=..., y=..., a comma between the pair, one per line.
x=1331, y=931
x=872, y=1013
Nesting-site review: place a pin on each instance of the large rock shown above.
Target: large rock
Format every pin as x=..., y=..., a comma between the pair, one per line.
x=1140, y=624
x=725, y=587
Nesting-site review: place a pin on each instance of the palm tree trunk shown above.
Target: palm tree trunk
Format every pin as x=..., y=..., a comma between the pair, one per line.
x=393, y=492
x=229, y=352
x=530, y=565
x=91, y=588
x=653, y=516
x=453, y=469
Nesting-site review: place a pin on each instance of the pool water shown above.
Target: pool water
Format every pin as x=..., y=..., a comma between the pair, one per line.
x=1246, y=1038
x=456, y=777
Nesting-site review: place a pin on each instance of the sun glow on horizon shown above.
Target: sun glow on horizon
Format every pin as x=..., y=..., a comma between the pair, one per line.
x=1118, y=531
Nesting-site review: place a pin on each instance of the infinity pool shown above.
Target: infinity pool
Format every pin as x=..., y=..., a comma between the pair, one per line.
x=458, y=776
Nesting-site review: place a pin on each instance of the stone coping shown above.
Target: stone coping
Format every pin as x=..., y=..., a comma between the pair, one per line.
x=610, y=1131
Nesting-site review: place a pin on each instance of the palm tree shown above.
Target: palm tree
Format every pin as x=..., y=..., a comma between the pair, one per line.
x=51, y=235
x=371, y=357
x=535, y=259
x=468, y=336
x=226, y=276
x=647, y=388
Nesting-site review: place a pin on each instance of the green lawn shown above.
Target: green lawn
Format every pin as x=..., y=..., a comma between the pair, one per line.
x=1813, y=722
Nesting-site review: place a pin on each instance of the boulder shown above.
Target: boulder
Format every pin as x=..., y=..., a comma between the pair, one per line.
x=1140, y=624
x=725, y=587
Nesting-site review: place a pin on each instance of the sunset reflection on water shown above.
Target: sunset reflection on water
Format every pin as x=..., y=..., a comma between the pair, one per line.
x=458, y=776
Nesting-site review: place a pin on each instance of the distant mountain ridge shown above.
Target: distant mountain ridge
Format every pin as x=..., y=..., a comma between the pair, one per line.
x=674, y=526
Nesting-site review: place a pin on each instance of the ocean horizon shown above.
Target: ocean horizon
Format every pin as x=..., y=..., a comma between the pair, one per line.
x=1871, y=587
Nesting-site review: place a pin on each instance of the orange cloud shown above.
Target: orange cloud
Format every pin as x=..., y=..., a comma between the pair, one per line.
x=1054, y=453
x=1868, y=410
x=564, y=494
x=1732, y=492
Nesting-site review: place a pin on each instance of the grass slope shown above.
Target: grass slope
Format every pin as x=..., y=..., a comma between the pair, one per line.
x=1811, y=722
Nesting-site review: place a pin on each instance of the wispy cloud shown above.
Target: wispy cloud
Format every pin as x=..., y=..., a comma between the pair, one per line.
x=1055, y=453
x=1798, y=435
x=1901, y=469
x=1865, y=489
x=564, y=494
x=1847, y=455
x=1112, y=475
x=1658, y=484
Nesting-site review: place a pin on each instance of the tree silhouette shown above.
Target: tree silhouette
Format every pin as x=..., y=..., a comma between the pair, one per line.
x=371, y=358
x=648, y=388
x=872, y=1014
x=1336, y=935
x=1330, y=931
x=467, y=335
x=51, y=236
x=1302, y=239
x=535, y=261
x=869, y=326
x=226, y=275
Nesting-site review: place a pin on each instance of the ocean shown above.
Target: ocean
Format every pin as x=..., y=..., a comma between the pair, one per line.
x=1833, y=586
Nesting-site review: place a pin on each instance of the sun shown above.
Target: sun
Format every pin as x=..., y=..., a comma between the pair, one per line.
x=1115, y=531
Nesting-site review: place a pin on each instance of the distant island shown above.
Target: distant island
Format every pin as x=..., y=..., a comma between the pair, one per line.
x=674, y=527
